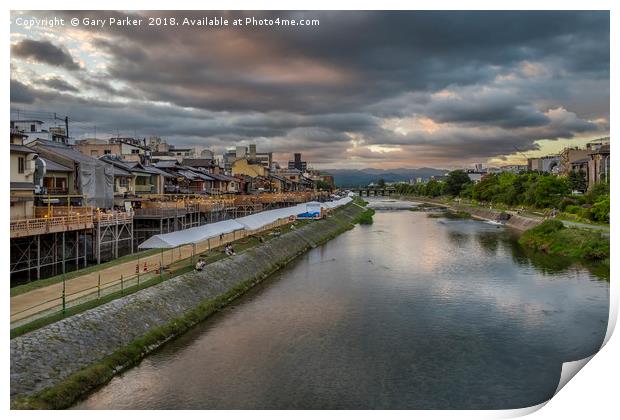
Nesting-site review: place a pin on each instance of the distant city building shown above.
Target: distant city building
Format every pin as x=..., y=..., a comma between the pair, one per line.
x=127, y=148
x=515, y=169
x=250, y=153
x=297, y=163
x=549, y=164
x=33, y=129
x=207, y=154
x=323, y=177
x=475, y=176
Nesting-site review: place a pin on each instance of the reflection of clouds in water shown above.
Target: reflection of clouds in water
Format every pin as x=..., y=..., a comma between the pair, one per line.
x=418, y=314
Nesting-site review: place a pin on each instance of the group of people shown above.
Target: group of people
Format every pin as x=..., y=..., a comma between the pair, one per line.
x=201, y=263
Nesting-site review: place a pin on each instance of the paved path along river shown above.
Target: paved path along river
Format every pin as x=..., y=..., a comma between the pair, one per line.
x=411, y=312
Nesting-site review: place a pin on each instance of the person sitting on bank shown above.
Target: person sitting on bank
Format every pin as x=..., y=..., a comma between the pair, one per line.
x=200, y=265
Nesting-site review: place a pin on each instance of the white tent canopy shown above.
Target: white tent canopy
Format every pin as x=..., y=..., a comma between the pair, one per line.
x=251, y=222
x=191, y=235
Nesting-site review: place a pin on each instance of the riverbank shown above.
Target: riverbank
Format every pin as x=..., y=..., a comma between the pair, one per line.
x=515, y=221
x=54, y=366
x=552, y=237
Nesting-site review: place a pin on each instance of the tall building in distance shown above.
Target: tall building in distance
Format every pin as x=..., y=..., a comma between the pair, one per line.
x=297, y=163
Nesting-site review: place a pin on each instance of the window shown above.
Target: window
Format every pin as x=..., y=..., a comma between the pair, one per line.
x=107, y=152
x=122, y=182
x=61, y=183
x=135, y=151
x=33, y=127
x=21, y=165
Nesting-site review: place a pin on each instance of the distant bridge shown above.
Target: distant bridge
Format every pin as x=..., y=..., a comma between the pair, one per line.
x=376, y=191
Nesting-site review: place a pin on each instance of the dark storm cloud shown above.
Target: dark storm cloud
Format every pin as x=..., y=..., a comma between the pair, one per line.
x=44, y=52
x=490, y=81
x=21, y=94
x=59, y=84
x=356, y=58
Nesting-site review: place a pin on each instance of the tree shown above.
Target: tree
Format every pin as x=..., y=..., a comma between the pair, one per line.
x=455, y=182
x=381, y=183
x=433, y=188
x=578, y=181
x=547, y=191
x=323, y=185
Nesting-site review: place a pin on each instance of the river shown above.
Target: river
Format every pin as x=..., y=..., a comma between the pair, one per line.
x=410, y=312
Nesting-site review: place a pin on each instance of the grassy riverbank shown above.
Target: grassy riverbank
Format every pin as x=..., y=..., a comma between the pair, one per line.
x=364, y=218
x=175, y=269
x=553, y=238
x=451, y=214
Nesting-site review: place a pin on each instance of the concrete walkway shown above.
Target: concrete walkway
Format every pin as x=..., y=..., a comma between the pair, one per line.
x=47, y=298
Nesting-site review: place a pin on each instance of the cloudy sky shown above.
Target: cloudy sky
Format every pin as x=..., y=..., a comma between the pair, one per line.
x=361, y=89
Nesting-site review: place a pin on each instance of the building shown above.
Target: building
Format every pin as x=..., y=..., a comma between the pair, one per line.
x=598, y=164
x=515, y=169
x=299, y=181
x=161, y=150
x=22, y=177
x=33, y=129
x=297, y=163
x=570, y=155
x=549, y=164
x=207, y=154
x=91, y=178
x=207, y=165
x=322, y=177
x=243, y=166
x=182, y=152
x=224, y=184
x=127, y=148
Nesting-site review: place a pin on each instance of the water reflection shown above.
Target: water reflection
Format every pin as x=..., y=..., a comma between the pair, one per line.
x=409, y=312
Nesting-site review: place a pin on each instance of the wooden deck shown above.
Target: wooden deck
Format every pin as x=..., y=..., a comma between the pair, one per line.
x=43, y=225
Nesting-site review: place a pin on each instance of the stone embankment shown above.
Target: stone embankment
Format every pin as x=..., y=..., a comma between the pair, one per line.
x=514, y=221
x=54, y=365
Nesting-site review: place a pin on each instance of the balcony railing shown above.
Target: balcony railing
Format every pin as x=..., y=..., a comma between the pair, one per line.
x=61, y=211
x=113, y=218
x=43, y=225
x=143, y=188
x=54, y=191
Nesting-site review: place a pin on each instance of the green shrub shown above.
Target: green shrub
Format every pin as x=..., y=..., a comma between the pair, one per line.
x=585, y=213
x=365, y=218
x=568, y=202
x=572, y=209
x=547, y=227
x=600, y=210
x=552, y=238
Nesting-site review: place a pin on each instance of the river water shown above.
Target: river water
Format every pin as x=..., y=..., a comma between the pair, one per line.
x=410, y=312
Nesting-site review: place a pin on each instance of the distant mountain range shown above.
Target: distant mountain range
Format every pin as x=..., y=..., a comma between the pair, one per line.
x=363, y=177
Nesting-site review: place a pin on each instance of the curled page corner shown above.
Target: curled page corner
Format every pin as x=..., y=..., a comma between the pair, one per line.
x=613, y=317
x=570, y=369
x=519, y=412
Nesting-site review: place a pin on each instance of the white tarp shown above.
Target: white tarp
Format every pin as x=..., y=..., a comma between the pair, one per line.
x=191, y=235
x=251, y=222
